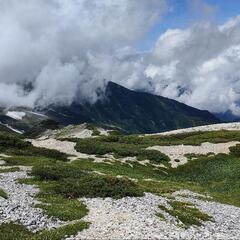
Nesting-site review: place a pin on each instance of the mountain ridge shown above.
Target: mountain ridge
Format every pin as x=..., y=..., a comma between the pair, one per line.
x=132, y=111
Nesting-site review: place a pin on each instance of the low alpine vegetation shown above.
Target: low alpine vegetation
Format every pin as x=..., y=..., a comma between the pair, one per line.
x=71, y=181
x=3, y=194
x=15, y=145
x=186, y=213
x=112, y=144
x=10, y=231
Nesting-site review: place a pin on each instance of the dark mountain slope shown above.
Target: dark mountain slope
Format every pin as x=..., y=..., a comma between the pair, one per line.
x=135, y=112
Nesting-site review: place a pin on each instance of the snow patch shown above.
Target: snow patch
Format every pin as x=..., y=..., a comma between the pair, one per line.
x=16, y=115
x=11, y=128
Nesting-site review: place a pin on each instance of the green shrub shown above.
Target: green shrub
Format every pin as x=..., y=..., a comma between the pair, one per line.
x=186, y=213
x=98, y=186
x=153, y=155
x=12, y=231
x=3, y=194
x=95, y=131
x=14, y=145
x=235, y=150
x=29, y=160
x=12, y=169
x=57, y=171
x=61, y=208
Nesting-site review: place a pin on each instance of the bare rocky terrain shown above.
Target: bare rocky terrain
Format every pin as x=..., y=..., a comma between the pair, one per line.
x=213, y=127
x=135, y=218
x=178, y=153
x=20, y=204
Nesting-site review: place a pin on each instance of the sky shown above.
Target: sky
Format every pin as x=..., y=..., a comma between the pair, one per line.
x=61, y=51
x=182, y=14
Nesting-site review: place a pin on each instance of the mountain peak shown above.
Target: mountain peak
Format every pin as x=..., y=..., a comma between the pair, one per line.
x=134, y=112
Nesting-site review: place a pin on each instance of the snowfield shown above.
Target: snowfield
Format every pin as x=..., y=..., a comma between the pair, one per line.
x=16, y=115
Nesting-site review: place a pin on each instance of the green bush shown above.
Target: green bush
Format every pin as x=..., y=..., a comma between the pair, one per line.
x=14, y=145
x=153, y=155
x=98, y=186
x=186, y=213
x=3, y=194
x=57, y=171
x=72, y=182
x=235, y=150
x=12, y=231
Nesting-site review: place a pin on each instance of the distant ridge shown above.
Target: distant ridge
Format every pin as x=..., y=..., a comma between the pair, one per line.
x=133, y=112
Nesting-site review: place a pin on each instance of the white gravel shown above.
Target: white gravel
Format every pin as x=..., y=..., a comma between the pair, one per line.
x=134, y=218
x=213, y=127
x=65, y=147
x=19, y=207
x=73, y=131
x=178, y=152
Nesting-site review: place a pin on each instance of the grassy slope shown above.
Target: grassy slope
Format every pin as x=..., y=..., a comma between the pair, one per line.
x=62, y=183
x=217, y=175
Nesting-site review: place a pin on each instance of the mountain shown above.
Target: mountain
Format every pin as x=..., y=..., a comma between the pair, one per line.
x=19, y=119
x=227, y=116
x=133, y=112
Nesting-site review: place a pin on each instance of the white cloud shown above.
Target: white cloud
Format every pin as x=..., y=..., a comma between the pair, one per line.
x=52, y=43
x=206, y=74
x=69, y=49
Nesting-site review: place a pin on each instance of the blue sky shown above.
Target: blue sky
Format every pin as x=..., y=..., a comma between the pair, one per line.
x=183, y=13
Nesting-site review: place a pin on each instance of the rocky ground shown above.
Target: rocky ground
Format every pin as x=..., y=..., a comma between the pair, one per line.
x=73, y=131
x=126, y=218
x=177, y=153
x=19, y=207
x=65, y=147
x=213, y=127
x=135, y=218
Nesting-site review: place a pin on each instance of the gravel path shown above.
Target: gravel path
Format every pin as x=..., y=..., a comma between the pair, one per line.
x=134, y=218
x=19, y=207
x=178, y=152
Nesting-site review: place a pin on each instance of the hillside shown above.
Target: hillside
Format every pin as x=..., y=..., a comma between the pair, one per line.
x=86, y=182
x=133, y=112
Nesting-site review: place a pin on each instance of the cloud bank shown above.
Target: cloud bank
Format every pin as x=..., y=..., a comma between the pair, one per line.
x=199, y=66
x=60, y=51
x=55, y=46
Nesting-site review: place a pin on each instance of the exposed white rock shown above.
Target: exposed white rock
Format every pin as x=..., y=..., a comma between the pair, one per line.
x=135, y=218
x=213, y=127
x=73, y=131
x=19, y=207
x=65, y=147
x=177, y=152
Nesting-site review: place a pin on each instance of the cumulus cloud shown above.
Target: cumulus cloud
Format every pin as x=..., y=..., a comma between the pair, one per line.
x=199, y=66
x=56, y=45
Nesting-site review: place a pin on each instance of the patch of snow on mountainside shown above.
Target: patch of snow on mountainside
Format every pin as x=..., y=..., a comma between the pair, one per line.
x=16, y=115
x=37, y=114
x=11, y=128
